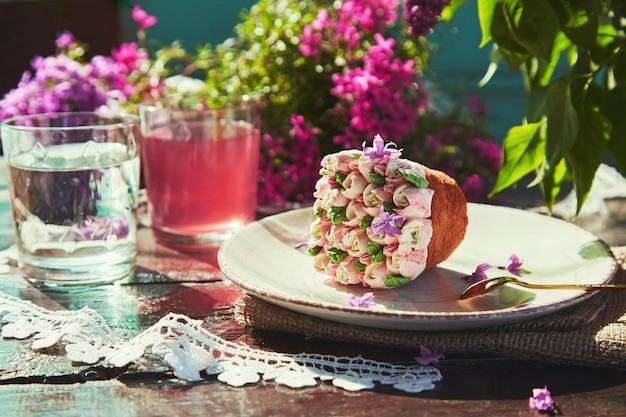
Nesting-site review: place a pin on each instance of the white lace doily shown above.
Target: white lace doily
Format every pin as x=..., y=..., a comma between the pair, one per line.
x=188, y=349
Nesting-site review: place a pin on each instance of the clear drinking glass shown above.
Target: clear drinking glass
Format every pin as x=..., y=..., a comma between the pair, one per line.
x=200, y=170
x=73, y=184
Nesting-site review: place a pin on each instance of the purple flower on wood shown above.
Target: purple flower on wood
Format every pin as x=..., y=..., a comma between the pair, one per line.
x=542, y=401
x=431, y=356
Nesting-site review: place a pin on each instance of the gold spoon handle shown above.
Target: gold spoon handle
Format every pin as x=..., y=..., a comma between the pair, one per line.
x=570, y=286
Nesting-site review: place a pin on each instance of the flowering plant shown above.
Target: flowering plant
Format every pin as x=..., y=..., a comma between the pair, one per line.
x=330, y=76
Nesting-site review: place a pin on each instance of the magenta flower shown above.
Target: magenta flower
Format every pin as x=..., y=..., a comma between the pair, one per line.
x=365, y=301
x=65, y=40
x=431, y=357
x=143, y=19
x=480, y=273
x=542, y=401
x=389, y=224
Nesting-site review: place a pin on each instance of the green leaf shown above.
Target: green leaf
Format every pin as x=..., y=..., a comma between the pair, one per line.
x=514, y=54
x=392, y=281
x=448, y=12
x=485, y=16
x=534, y=25
x=578, y=20
x=586, y=155
x=562, y=127
x=523, y=152
x=552, y=182
x=614, y=111
x=537, y=104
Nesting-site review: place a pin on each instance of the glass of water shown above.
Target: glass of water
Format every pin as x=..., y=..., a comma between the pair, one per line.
x=73, y=184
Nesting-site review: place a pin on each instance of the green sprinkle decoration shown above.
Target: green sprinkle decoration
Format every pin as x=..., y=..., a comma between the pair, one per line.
x=336, y=255
x=366, y=221
x=337, y=214
x=315, y=250
x=392, y=281
x=377, y=178
x=416, y=180
x=373, y=248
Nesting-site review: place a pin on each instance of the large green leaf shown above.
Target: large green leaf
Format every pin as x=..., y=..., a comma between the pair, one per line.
x=485, y=16
x=514, y=53
x=533, y=24
x=522, y=152
x=562, y=127
x=578, y=20
x=552, y=183
x=537, y=104
x=587, y=152
x=614, y=110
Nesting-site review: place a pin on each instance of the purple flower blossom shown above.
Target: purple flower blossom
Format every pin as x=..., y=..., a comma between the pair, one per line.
x=389, y=224
x=514, y=266
x=379, y=150
x=431, y=357
x=365, y=301
x=423, y=15
x=480, y=273
x=541, y=400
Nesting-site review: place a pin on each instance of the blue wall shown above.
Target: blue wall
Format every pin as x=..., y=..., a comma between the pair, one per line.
x=458, y=61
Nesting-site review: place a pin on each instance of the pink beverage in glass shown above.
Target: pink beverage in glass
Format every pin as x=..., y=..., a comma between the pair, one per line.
x=201, y=181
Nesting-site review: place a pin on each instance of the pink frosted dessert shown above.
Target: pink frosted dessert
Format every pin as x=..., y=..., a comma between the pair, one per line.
x=373, y=217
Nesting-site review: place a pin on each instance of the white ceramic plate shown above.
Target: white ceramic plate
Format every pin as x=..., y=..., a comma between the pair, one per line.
x=262, y=258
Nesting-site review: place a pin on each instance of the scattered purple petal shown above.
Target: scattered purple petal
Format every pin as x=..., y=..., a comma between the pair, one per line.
x=480, y=273
x=365, y=301
x=514, y=266
x=389, y=224
x=431, y=357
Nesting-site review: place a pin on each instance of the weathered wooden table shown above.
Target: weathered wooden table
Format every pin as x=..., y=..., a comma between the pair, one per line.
x=43, y=384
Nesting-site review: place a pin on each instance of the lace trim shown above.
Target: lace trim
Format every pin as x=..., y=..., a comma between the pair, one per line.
x=188, y=349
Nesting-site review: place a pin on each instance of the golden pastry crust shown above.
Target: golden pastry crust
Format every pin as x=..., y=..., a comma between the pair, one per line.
x=448, y=216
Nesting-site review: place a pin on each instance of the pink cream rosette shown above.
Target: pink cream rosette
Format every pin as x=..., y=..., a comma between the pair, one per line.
x=373, y=213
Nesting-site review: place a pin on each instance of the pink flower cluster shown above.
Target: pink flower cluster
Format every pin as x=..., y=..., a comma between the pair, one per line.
x=372, y=224
x=64, y=83
x=289, y=163
x=377, y=95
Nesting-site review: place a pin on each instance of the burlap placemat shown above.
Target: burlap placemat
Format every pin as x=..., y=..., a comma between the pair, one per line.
x=591, y=333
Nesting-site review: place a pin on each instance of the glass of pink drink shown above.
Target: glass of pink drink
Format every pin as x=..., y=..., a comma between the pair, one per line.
x=200, y=172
